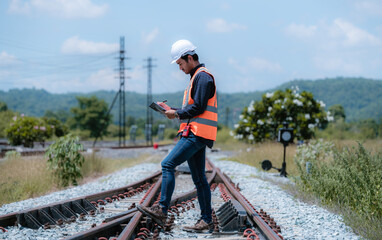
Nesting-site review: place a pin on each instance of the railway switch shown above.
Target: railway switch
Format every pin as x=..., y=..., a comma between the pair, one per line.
x=231, y=216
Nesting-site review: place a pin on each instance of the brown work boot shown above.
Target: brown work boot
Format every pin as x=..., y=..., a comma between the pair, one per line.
x=155, y=212
x=200, y=227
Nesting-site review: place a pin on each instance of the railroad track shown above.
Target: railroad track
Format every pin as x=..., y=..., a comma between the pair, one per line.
x=33, y=152
x=113, y=214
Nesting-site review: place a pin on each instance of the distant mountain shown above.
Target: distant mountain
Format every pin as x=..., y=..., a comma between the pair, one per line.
x=361, y=98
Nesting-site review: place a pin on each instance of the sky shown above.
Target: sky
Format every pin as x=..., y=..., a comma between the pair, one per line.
x=73, y=45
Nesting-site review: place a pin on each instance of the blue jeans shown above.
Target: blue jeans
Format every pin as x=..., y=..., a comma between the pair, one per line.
x=194, y=151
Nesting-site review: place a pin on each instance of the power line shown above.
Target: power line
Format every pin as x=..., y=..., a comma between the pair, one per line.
x=41, y=69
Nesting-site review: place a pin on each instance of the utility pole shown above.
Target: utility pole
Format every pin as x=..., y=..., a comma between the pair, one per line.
x=122, y=114
x=149, y=113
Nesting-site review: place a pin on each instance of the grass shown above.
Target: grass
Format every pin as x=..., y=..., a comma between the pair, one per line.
x=254, y=154
x=27, y=177
x=23, y=178
x=348, y=179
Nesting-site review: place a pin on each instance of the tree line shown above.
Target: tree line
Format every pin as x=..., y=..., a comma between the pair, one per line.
x=360, y=98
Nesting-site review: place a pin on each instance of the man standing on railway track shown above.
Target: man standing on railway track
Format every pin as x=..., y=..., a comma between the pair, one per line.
x=198, y=117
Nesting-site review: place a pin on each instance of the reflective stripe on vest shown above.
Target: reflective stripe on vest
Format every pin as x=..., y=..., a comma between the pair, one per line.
x=205, y=124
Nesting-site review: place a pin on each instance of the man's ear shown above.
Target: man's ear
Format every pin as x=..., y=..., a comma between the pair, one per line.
x=189, y=57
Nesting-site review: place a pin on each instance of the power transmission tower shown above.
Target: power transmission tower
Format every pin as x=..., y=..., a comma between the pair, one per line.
x=121, y=95
x=149, y=113
x=122, y=114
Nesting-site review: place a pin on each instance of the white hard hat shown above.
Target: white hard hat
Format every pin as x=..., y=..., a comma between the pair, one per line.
x=181, y=48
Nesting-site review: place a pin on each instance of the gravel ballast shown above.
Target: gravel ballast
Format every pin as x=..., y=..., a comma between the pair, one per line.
x=298, y=220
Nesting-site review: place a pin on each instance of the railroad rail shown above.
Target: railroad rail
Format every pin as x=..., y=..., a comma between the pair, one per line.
x=32, y=152
x=235, y=215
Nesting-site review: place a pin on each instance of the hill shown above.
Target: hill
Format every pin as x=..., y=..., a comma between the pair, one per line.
x=361, y=98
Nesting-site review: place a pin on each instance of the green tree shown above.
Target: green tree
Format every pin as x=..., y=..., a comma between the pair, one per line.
x=130, y=120
x=58, y=127
x=262, y=119
x=27, y=130
x=5, y=120
x=3, y=107
x=65, y=159
x=60, y=115
x=91, y=114
x=338, y=112
x=368, y=128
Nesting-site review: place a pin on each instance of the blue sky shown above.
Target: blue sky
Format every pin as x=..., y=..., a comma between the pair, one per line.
x=72, y=45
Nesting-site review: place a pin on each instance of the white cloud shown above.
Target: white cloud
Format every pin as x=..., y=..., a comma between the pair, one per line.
x=7, y=59
x=236, y=65
x=148, y=38
x=253, y=63
x=339, y=47
x=352, y=35
x=225, y=6
x=219, y=25
x=339, y=33
x=103, y=79
x=370, y=7
x=60, y=8
x=19, y=7
x=74, y=45
x=300, y=30
x=137, y=80
x=338, y=65
x=263, y=65
x=251, y=74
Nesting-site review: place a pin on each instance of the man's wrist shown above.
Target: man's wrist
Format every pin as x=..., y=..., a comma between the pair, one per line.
x=176, y=115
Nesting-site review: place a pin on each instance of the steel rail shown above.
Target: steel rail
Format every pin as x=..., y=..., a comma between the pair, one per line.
x=12, y=219
x=42, y=152
x=264, y=228
x=114, y=224
x=114, y=227
x=133, y=223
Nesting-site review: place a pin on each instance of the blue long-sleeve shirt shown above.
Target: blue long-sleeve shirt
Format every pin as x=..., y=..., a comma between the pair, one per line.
x=203, y=89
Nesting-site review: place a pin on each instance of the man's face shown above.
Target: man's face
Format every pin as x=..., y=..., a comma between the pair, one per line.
x=186, y=67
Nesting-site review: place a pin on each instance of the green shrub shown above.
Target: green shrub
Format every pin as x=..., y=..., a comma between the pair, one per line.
x=65, y=159
x=349, y=178
x=3, y=107
x=9, y=155
x=113, y=130
x=5, y=120
x=26, y=130
x=361, y=130
x=170, y=133
x=59, y=129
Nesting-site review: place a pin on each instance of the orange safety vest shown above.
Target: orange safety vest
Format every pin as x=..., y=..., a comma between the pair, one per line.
x=204, y=125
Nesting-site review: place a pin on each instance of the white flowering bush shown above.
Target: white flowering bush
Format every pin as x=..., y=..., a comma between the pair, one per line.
x=261, y=120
